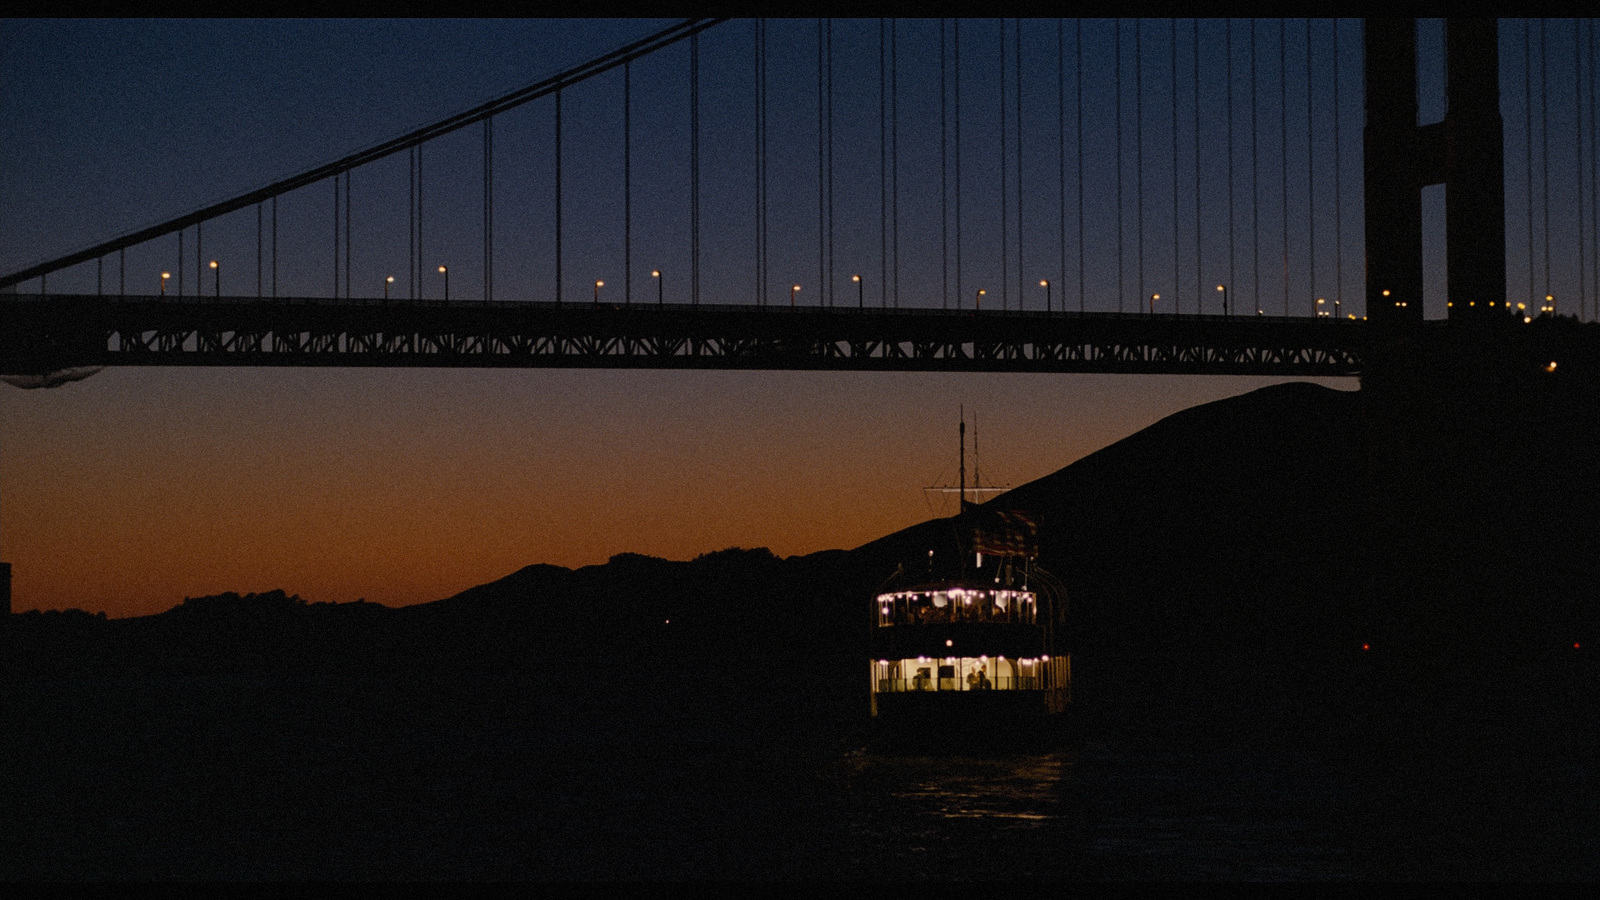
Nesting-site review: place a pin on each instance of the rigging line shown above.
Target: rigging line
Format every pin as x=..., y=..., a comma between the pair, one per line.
x=1255, y=176
x=1338, y=167
x=1116, y=68
x=1078, y=152
x=558, y=201
x=1527, y=119
x=944, y=176
x=1283, y=148
x=1005, y=244
x=694, y=168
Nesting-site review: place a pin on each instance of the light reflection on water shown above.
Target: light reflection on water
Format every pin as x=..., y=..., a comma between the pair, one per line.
x=1094, y=812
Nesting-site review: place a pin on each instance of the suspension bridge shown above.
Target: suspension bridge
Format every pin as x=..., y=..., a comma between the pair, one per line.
x=1120, y=196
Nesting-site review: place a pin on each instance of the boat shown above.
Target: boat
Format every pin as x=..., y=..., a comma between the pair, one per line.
x=969, y=635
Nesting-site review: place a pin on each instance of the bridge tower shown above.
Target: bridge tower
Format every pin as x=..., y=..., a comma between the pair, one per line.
x=1464, y=153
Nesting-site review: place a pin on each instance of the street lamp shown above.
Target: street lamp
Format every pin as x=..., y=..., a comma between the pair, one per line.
x=1336, y=313
x=792, y=291
x=1223, y=290
x=164, y=277
x=1549, y=304
x=656, y=274
x=977, y=302
x=861, y=302
x=386, y=282
x=1153, y=299
x=217, y=270
x=1045, y=283
x=1321, y=313
x=597, y=286
x=445, y=271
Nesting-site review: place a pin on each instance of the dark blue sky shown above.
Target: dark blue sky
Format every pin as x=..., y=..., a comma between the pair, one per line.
x=127, y=491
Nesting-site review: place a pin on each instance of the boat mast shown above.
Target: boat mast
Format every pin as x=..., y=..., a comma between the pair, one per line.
x=961, y=505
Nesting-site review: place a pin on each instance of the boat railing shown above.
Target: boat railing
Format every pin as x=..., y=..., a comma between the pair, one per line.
x=930, y=685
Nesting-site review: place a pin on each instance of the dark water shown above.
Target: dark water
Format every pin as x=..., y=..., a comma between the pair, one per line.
x=249, y=779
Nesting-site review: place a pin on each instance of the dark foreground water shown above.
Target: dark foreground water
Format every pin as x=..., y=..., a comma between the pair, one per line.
x=234, y=778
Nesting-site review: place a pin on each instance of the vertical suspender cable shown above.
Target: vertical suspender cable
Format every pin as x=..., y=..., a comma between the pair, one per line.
x=1138, y=153
x=488, y=210
x=956, y=63
x=1577, y=118
x=1311, y=188
x=627, y=183
x=1227, y=80
x=894, y=151
x=180, y=264
x=558, y=196
x=761, y=162
x=1061, y=157
x=694, y=167
x=1078, y=153
x=1172, y=30
x=122, y=272
x=1021, y=278
x=347, y=235
x=1283, y=149
x=883, y=162
x=822, y=156
x=274, y=247
x=1527, y=107
x=199, y=255
x=419, y=224
x=258, y=251
x=1338, y=169
x=411, y=221
x=335, y=235
x=1116, y=68
x=1255, y=177
x=1005, y=243
x=944, y=174
x=1199, y=223
x=1594, y=174
x=830, y=162
x=1544, y=146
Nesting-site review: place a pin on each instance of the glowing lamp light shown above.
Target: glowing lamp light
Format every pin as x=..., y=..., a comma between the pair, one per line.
x=1551, y=367
x=949, y=643
x=1366, y=646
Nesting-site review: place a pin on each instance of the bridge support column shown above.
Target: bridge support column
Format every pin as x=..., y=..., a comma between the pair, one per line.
x=1464, y=153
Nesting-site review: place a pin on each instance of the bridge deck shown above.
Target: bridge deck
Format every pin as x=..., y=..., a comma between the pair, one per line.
x=40, y=334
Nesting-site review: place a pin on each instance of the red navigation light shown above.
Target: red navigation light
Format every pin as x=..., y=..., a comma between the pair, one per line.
x=1574, y=645
x=1366, y=646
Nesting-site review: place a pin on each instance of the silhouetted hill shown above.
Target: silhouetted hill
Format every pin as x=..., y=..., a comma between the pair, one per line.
x=1265, y=536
